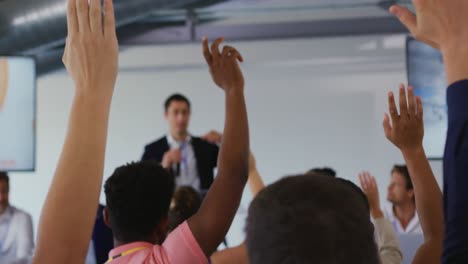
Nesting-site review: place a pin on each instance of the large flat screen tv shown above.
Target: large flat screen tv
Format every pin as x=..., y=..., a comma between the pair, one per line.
x=426, y=73
x=17, y=113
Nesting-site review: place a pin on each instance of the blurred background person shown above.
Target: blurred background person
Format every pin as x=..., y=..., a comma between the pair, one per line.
x=16, y=229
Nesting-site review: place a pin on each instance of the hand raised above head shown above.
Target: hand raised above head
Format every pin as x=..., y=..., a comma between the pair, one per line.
x=406, y=130
x=224, y=66
x=91, y=51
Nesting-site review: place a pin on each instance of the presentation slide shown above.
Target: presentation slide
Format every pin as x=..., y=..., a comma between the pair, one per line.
x=17, y=113
x=426, y=74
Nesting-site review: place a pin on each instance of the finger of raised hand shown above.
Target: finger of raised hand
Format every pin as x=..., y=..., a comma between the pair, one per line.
x=420, y=108
x=206, y=51
x=82, y=8
x=411, y=103
x=406, y=17
x=403, y=102
x=393, y=109
x=95, y=16
x=72, y=18
x=215, y=49
x=109, y=19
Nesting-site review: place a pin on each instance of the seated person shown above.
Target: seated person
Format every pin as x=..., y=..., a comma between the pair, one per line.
x=16, y=228
x=402, y=211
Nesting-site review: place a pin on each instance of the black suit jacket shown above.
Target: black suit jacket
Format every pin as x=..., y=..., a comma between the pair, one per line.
x=206, y=155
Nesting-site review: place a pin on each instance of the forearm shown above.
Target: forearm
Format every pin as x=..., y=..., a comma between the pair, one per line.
x=234, y=152
x=428, y=195
x=70, y=208
x=214, y=218
x=389, y=248
x=255, y=182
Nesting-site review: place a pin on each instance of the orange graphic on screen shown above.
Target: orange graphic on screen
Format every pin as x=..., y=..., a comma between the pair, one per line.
x=3, y=81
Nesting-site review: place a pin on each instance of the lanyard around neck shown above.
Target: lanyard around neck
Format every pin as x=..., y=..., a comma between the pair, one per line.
x=130, y=251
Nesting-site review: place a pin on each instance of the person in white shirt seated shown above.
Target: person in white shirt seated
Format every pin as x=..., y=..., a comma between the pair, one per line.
x=401, y=211
x=16, y=229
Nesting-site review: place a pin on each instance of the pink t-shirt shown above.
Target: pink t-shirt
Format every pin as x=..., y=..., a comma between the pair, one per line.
x=180, y=247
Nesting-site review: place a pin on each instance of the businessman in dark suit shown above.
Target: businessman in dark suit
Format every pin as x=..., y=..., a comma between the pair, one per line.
x=191, y=159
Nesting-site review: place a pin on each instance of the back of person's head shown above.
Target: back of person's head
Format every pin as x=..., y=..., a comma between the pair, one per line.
x=185, y=203
x=403, y=171
x=326, y=171
x=303, y=219
x=138, y=196
x=176, y=98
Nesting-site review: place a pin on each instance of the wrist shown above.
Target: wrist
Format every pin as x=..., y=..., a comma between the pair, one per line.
x=377, y=213
x=411, y=153
x=454, y=56
x=234, y=91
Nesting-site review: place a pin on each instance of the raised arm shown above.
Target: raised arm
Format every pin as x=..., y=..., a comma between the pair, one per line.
x=387, y=241
x=406, y=131
x=211, y=223
x=91, y=58
x=442, y=24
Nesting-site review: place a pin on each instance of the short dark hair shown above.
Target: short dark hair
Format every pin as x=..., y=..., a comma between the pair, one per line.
x=186, y=202
x=323, y=171
x=303, y=219
x=403, y=171
x=138, y=197
x=176, y=98
x=4, y=177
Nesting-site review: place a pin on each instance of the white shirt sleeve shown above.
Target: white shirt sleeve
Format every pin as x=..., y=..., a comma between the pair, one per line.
x=387, y=242
x=25, y=238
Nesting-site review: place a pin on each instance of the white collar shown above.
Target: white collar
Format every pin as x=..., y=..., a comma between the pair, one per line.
x=7, y=214
x=171, y=140
x=413, y=223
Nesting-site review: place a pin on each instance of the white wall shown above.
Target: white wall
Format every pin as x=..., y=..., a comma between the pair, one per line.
x=311, y=103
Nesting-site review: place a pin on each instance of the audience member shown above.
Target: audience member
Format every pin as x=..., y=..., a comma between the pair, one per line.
x=303, y=219
x=144, y=190
x=402, y=212
x=16, y=228
x=190, y=159
x=186, y=201
x=323, y=171
x=387, y=241
x=69, y=212
x=406, y=131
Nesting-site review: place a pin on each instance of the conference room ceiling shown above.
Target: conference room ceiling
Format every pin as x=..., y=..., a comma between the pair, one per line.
x=29, y=27
x=266, y=19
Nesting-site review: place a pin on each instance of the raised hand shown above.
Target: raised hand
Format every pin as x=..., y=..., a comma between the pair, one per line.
x=91, y=51
x=441, y=24
x=224, y=66
x=406, y=130
x=91, y=57
x=214, y=137
x=438, y=23
x=369, y=187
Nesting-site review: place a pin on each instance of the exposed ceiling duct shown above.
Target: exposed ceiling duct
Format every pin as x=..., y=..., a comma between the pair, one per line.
x=30, y=26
